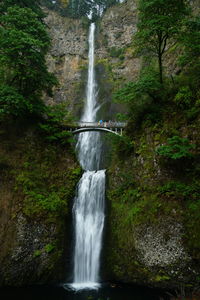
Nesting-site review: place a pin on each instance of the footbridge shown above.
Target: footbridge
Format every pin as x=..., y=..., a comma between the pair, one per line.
x=103, y=126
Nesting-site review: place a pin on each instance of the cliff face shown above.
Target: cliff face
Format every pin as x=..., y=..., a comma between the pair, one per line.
x=152, y=229
x=115, y=36
x=38, y=181
x=66, y=59
x=114, y=59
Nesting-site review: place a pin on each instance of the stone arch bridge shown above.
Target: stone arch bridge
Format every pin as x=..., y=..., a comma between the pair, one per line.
x=102, y=126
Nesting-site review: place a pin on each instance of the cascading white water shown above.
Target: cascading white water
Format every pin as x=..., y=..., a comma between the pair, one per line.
x=89, y=143
x=88, y=209
x=89, y=213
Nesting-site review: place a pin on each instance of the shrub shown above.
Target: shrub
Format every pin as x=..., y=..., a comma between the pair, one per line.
x=37, y=253
x=114, y=52
x=49, y=248
x=180, y=190
x=53, y=126
x=143, y=97
x=176, y=148
x=122, y=145
x=183, y=98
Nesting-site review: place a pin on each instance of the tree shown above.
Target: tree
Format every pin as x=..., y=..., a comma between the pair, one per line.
x=34, y=5
x=142, y=97
x=24, y=43
x=159, y=24
x=190, y=40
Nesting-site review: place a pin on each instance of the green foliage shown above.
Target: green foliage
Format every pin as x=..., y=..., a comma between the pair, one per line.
x=159, y=278
x=34, y=5
x=122, y=145
x=131, y=195
x=190, y=40
x=46, y=191
x=159, y=22
x=11, y=102
x=45, y=202
x=121, y=117
x=49, y=248
x=183, y=98
x=53, y=126
x=37, y=253
x=176, y=148
x=146, y=86
x=192, y=223
x=143, y=97
x=117, y=52
x=180, y=190
x=24, y=43
x=186, y=94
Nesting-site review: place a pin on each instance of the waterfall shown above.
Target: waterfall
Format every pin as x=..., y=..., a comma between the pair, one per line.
x=88, y=209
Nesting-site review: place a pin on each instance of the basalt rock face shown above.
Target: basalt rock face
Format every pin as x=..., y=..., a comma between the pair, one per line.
x=66, y=59
x=115, y=37
x=152, y=236
x=38, y=181
x=27, y=261
x=115, y=60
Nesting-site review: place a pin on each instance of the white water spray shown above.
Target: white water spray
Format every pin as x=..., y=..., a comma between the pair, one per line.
x=88, y=209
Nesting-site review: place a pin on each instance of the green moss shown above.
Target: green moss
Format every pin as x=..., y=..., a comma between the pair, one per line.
x=49, y=248
x=161, y=278
x=43, y=175
x=37, y=253
x=46, y=188
x=192, y=225
x=116, y=52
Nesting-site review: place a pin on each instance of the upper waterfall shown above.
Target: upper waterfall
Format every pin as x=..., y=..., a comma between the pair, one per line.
x=90, y=110
x=89, y=144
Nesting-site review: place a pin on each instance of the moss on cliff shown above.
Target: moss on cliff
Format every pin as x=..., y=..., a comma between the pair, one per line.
x=38, y=181
x=153, y=235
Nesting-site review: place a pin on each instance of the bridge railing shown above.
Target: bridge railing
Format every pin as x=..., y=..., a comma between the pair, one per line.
x=109, y=124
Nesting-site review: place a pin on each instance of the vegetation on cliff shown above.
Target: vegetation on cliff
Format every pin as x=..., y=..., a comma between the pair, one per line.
x=156, y=88
x=154, y=189
x=38, y=167
x=38, y=181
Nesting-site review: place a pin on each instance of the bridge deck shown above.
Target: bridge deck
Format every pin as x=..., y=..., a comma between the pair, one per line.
x=107, y=124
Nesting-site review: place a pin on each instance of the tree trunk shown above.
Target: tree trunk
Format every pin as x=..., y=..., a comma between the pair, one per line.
x=160, y=68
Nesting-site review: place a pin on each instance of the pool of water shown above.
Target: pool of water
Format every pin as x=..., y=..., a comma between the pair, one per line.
x=107, y=292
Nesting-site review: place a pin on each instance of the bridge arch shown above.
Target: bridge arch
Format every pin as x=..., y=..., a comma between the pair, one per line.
x=79, y=130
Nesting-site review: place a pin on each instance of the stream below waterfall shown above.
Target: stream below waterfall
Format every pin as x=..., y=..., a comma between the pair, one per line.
x=122, y=292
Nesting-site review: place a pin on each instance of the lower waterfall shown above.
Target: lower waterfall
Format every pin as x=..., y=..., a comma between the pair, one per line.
x=89, y=222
